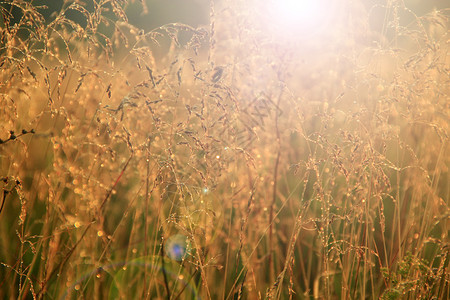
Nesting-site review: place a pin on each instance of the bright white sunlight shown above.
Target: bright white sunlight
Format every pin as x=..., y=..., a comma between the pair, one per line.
x=224, y=149
x=301, y=16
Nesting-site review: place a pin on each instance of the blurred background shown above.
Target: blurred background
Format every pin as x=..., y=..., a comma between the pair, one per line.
x=150, y=14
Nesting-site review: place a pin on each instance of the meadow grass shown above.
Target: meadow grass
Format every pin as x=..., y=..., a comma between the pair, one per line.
x=232, y=161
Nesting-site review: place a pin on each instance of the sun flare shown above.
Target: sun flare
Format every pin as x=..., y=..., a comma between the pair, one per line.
x=300, y=15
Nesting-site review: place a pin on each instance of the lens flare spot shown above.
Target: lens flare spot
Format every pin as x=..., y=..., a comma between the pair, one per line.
x=177, y=247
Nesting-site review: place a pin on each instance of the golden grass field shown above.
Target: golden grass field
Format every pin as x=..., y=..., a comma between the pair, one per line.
x=276, y=151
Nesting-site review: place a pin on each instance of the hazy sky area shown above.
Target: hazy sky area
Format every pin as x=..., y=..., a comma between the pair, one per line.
x=196, y=12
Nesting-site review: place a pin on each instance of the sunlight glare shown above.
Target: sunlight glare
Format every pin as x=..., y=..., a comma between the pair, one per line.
x=307, y=16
